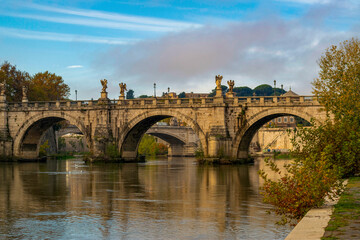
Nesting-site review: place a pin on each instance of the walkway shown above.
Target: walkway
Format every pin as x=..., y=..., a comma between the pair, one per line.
x=335, y=220
x=345, y=221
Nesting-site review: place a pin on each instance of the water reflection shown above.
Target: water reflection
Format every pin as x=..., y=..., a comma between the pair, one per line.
x=162, y=199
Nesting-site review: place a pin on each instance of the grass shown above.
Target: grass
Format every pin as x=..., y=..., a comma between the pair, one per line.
x=279, y=155
x=347, y=209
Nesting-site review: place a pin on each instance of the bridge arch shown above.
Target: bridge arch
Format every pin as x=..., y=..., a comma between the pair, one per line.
x=181, y=140
x=131, y=134
x=245, y=134
x=169, y=138
x=27, y=137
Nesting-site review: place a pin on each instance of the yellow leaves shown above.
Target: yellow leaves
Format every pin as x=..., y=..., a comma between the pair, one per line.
x=338, y=83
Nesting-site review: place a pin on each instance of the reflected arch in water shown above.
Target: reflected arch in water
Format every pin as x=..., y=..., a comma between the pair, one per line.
x=27, y=139
x=136, y=128
x=254, y=123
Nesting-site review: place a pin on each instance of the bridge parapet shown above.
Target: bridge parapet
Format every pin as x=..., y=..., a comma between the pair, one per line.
x=166, y=102
x=222, y=124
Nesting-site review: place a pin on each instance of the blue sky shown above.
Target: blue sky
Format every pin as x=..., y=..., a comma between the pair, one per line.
x=176, y=44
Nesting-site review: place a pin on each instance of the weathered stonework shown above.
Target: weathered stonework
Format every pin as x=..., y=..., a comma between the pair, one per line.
x=223, y=125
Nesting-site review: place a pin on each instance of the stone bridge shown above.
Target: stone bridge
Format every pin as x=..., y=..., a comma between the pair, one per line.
x=224, y=125
x=182, y=140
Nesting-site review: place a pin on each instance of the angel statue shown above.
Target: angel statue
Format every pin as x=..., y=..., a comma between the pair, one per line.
x=104, y=85
x=122, y=89
x=231, y=84
x=218, y=79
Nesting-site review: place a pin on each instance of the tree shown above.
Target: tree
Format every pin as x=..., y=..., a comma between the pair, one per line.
x=41, y=87
x=14, y=80
x=144, y=96
x=279, y=91
x=147, y=145
x=130, y=94
x=327, y=151
x=337, y=86
x=182, y=95
x=243, y=91
x=264, y=90
x=223, y=88
x=47, y=87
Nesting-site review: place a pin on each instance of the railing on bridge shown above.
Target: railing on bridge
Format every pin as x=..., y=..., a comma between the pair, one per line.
x=141, y=102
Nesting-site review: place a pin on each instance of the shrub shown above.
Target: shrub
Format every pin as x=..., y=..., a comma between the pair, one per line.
x=303, y=187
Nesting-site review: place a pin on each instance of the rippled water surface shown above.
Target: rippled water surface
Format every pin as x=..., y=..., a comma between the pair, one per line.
x=161, y=199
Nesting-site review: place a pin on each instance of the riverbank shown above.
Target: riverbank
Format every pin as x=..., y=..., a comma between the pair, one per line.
x=312, y=225
x=345, y=220
x=339, y=219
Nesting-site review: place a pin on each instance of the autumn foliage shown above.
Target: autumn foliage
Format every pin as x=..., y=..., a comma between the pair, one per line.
x=41, y=86
x=302, y=187
x=328, y=151
x=47, y=87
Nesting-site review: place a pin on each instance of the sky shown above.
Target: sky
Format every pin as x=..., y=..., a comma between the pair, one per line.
x=179, y=45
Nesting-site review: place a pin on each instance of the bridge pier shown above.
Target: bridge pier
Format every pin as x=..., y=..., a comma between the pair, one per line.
x=101, y=141
x=129, y=155
x=178, y=150
x=6, y=150
x=220, y=147
x=243, y=155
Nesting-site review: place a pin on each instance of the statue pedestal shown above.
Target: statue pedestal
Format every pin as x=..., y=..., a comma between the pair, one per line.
x=218, y=92
x=219, y=99
x=104, y=95
x=230, y=95
x=104, y=98
x=121, y=100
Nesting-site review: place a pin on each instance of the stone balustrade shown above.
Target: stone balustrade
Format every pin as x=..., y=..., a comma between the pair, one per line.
x=165, y=102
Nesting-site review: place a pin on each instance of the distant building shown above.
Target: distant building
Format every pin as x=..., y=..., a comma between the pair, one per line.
x=284, y=121
x=196, y=95
x=187, y=95
x=172, y=95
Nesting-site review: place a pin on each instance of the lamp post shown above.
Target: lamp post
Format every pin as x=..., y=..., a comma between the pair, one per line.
x=274, y=87
x=154, y=89
x=76, y=95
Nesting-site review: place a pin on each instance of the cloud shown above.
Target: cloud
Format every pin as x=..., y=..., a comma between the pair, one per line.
x=62, y=37
x=250, y=53
x=75, y=66
x=99, y=19
x=115, y=16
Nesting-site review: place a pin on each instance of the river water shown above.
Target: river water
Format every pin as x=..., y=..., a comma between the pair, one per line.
x=159, y=199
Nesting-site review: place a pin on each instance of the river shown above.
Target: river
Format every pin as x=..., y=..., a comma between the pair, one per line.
x=159, y=199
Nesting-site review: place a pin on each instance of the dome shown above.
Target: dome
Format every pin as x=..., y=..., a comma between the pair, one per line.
x=289, y=94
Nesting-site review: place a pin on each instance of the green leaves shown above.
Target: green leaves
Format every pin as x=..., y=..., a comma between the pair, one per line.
x=328, y=151
x=337, y=86
x=149, y=147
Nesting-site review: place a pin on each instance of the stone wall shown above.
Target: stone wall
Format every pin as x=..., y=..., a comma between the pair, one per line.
x=270, y=139
x=73, y=143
